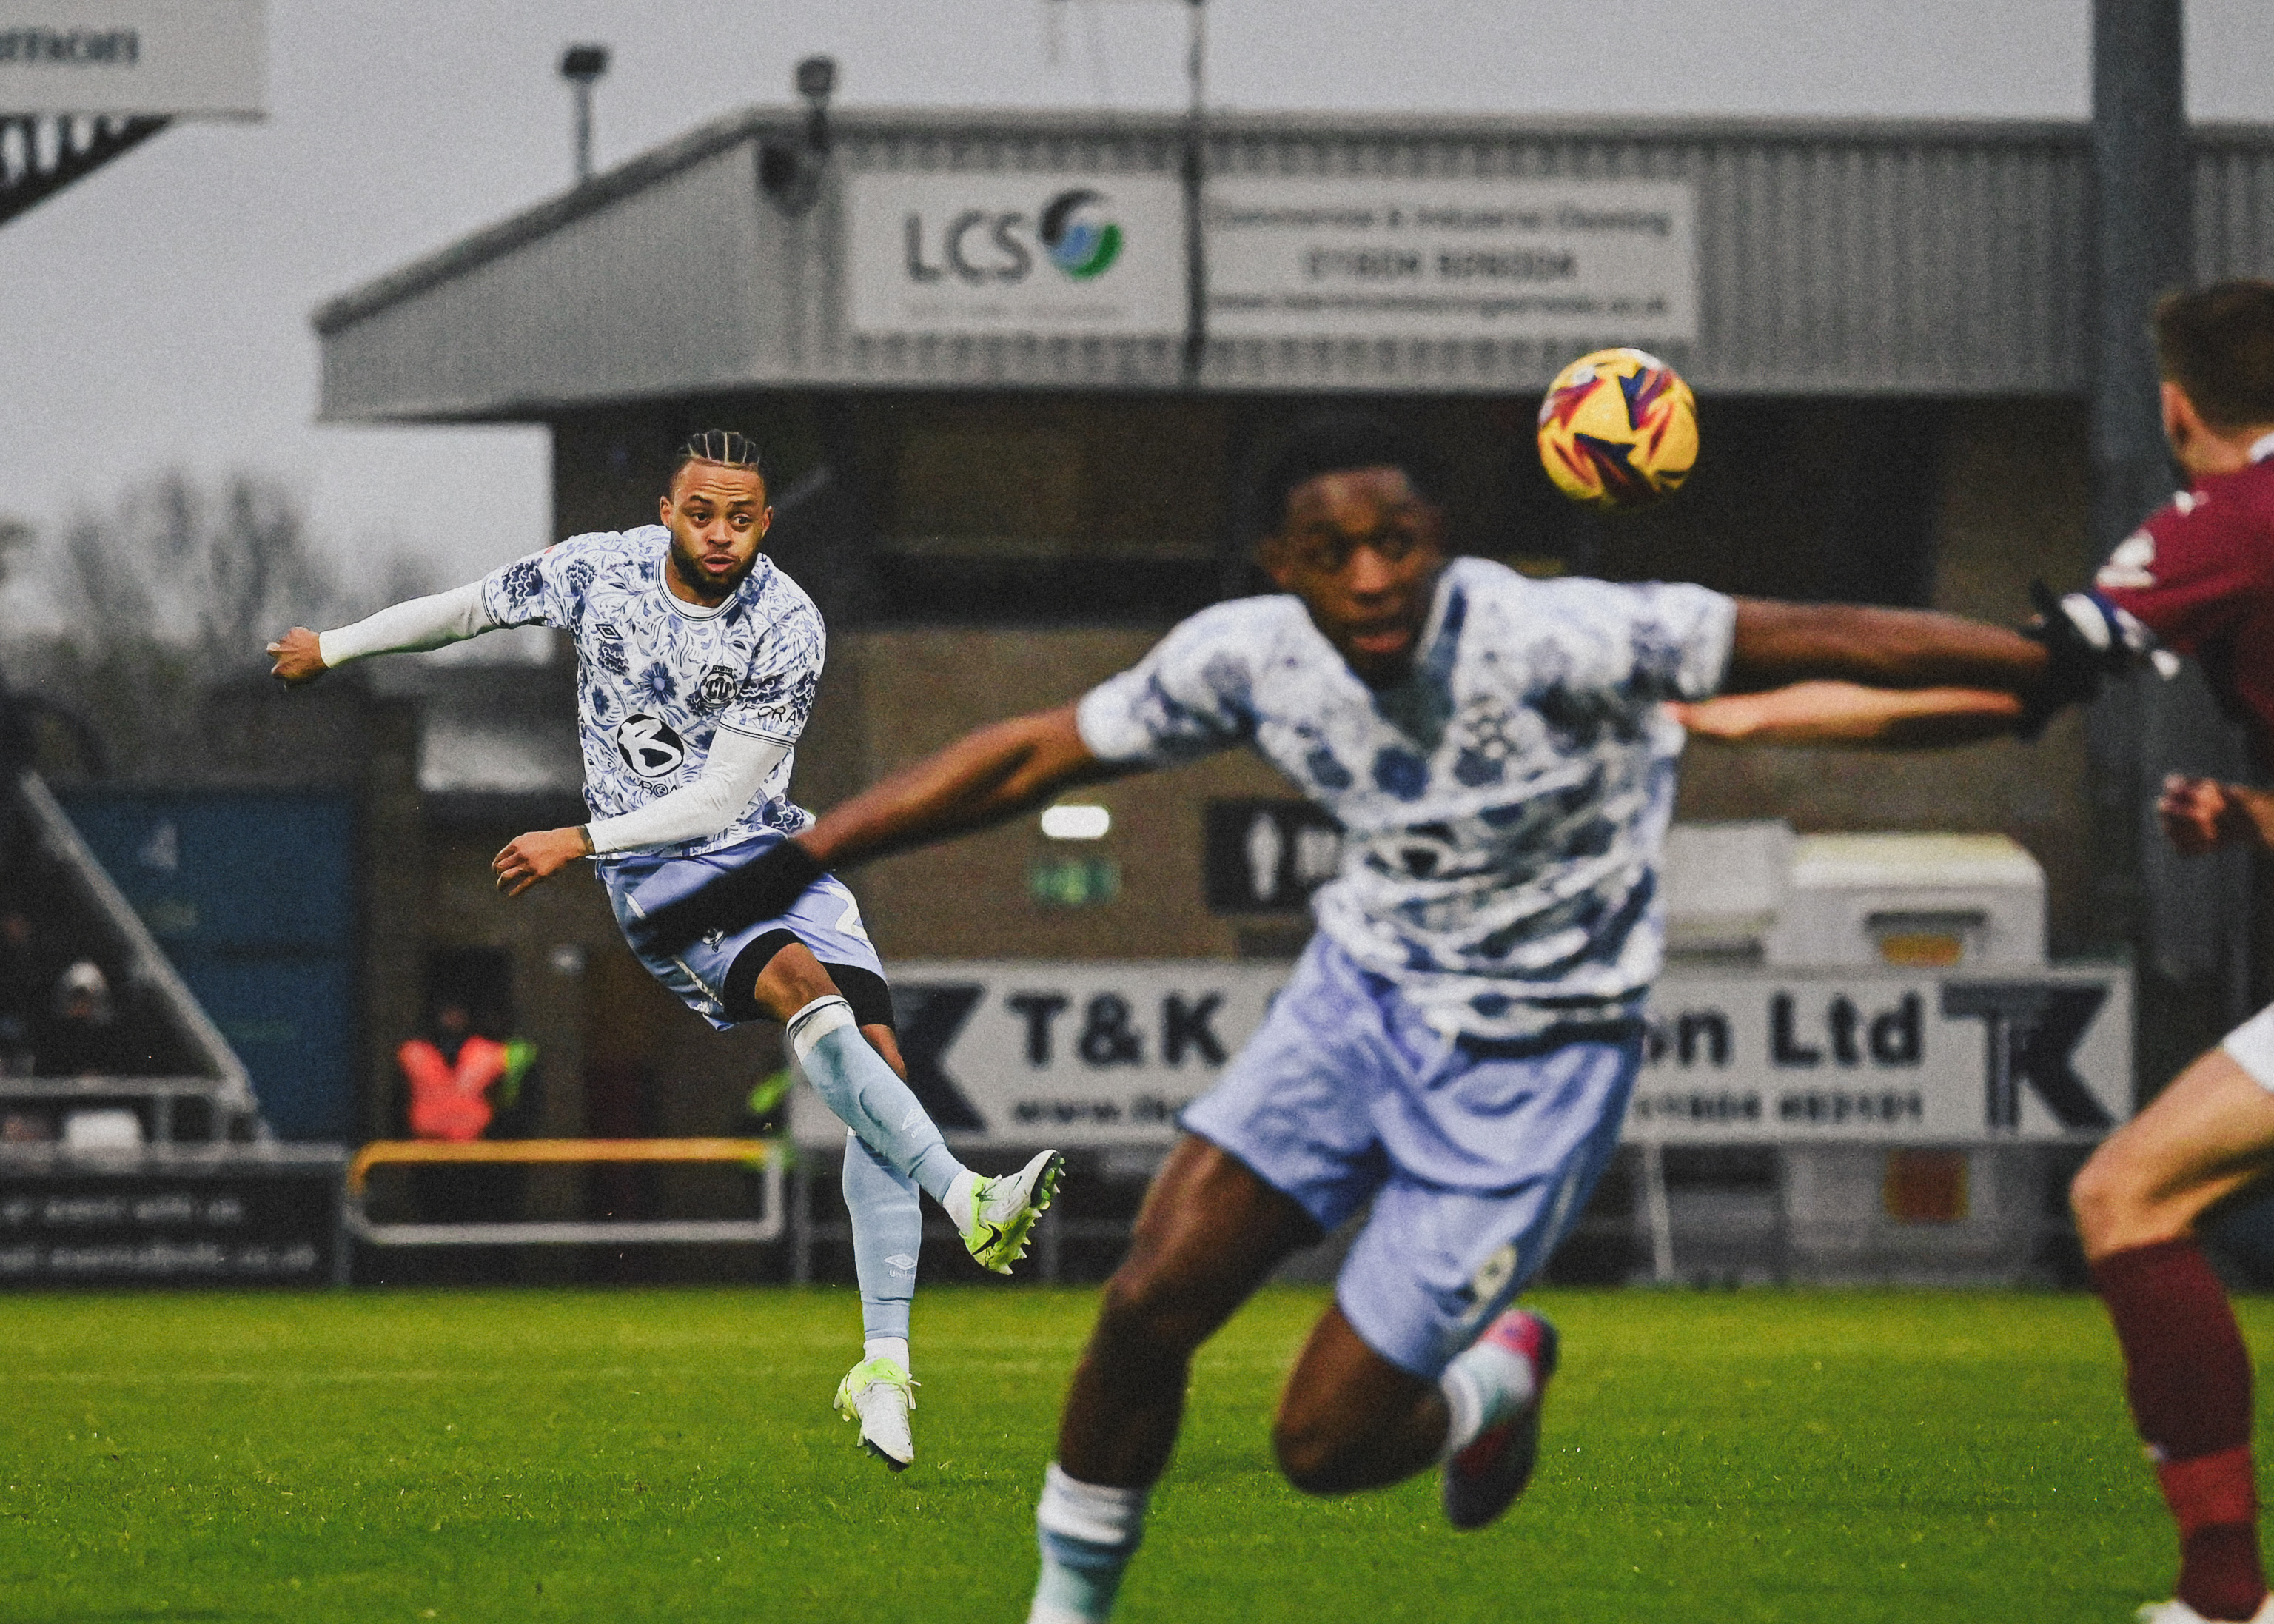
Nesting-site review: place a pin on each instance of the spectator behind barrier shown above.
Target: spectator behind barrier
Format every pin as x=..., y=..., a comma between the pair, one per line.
x=459, y=1079
x=80, y=1038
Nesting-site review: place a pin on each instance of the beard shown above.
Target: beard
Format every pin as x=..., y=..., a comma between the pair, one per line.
x=691, y=570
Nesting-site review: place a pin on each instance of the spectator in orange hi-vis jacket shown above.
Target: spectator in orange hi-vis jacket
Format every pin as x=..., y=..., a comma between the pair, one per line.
x=451, y=1073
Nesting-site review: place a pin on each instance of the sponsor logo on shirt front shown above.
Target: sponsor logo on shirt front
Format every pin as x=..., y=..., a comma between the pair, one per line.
x=649, y=746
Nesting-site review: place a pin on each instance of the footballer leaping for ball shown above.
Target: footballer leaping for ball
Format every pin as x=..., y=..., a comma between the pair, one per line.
x=1458, y=1042
x=696, y=662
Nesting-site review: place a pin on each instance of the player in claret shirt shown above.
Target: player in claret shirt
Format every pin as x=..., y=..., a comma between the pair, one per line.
x=2200, y=575
x=1458, y=1042
x=696, y=662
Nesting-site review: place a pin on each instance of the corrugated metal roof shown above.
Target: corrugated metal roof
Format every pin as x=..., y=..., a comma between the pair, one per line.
x=1831, y=258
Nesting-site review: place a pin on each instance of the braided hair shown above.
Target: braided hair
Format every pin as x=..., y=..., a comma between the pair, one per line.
x=725, y=447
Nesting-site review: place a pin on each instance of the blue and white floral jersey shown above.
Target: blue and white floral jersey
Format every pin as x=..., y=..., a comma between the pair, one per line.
x=1503, y=808
x=657, y=676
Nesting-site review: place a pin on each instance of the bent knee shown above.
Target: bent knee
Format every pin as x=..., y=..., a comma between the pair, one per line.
x=1313, y=1460
x=2096, y=1194
x=2116, y=1206
x=1308, y=1461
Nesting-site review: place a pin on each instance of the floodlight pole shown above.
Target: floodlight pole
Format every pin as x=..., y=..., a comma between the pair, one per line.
x=582, y=65
x=584, y=130
x=2144, y=248
x=1196, y=177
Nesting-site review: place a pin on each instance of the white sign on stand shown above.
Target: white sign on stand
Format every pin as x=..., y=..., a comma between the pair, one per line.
x=1101, y=1055
x=1421, y=257
x=179, y=59
x=1066, y=1054
x=2004, y=1053
x=1048, y=254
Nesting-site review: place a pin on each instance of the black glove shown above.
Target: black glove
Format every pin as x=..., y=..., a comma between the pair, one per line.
x=762, y=888
x=2086, y=638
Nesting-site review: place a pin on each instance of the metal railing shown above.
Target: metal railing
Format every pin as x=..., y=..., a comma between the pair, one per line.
x=768, y=1157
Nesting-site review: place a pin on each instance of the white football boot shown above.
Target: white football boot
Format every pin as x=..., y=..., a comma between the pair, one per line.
x=879, y=1393
x=1003, y=1211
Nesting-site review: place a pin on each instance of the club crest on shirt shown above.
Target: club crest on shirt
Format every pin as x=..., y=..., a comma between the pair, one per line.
x=716, y=687
x=649, y=746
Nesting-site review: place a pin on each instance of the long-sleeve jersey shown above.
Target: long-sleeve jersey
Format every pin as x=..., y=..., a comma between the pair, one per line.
x=2199, y=574
x=1504, y=804
x=687, y=716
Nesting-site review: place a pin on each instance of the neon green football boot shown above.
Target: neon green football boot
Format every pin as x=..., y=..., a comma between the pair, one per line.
x=1003, y=1210
x=879, y=1395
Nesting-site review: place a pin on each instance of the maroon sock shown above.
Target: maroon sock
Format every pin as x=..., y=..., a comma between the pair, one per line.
x=2188, y=1378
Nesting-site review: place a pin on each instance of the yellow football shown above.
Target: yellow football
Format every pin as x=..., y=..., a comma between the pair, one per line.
x=1618, y=430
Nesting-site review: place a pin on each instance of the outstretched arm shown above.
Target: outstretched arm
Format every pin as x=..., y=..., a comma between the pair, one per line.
x=421, y=623
x=987, y=776
x=1848, y=714
x=984, y=777
x=1779, y=644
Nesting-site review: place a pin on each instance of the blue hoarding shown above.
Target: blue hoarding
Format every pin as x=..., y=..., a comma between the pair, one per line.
x=252, y=896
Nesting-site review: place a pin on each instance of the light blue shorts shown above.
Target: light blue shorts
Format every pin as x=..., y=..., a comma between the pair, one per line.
x=1479, y=1154
x=824, y=917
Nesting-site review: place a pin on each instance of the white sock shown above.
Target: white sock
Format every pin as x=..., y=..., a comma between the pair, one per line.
x=1089, y=1532
x=958, y=1203
x=1483, y=1386
x=892, y=1347
x=1465, y=1409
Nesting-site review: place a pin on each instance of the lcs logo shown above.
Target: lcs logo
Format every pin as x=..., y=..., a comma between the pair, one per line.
x=980, y=246
x=649, y=747
x=1079, y=245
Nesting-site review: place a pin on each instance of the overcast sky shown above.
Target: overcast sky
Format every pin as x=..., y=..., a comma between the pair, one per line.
x=157, y=313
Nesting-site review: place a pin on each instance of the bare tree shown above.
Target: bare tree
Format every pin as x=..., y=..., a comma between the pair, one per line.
x=205, y=576
x=174, y=588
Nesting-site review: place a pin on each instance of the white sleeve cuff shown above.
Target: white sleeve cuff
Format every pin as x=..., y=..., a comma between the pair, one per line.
x=408, y=628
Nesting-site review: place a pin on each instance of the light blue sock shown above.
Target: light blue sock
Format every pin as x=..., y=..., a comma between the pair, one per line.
x=868, y=1097
x=1087, y=1532
x=887, y=1230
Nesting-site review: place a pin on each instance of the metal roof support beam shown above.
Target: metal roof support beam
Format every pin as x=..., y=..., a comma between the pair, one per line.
x=42, y=153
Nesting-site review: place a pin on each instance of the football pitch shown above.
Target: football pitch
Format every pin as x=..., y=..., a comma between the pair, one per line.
x=670, y=1455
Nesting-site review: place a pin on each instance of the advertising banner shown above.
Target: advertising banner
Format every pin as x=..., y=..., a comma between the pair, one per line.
x=197, y=58
x=265, y=1217
x=1099, y=1054
x=1425, y=257
x=1048, y=253
x=2000, y=1053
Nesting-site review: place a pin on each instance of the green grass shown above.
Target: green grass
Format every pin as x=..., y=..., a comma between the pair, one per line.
x=670, y=1455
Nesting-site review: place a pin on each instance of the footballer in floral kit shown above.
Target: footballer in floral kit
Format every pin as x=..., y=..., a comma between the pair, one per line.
x=696, y=664
x=1455, y=1050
